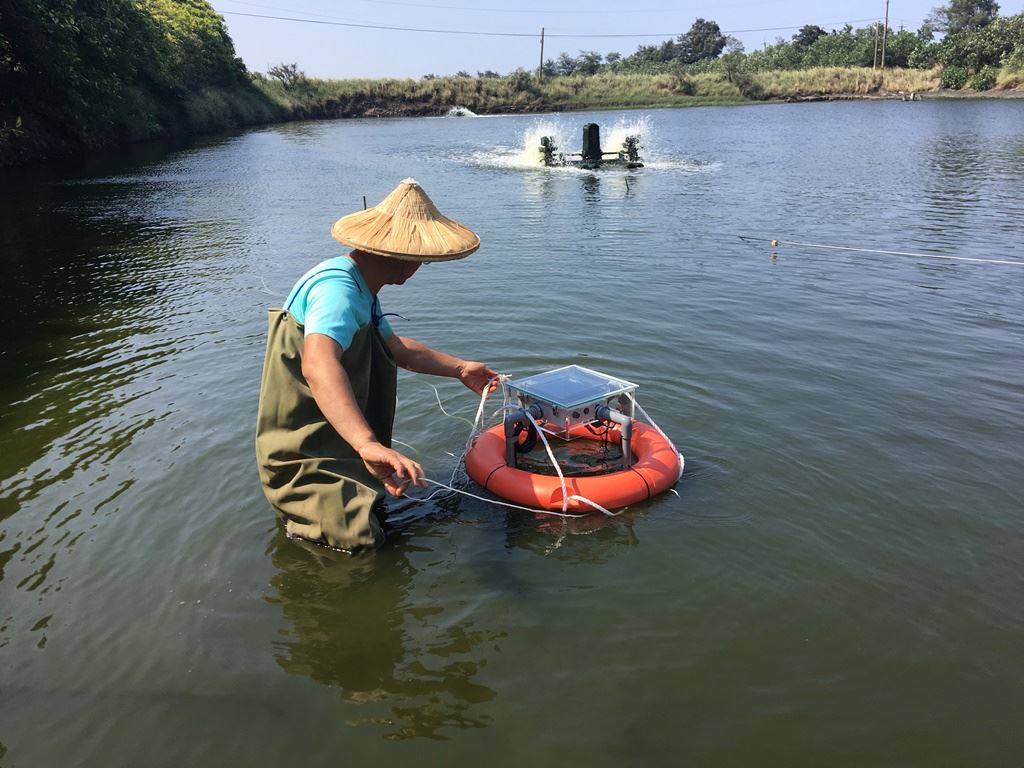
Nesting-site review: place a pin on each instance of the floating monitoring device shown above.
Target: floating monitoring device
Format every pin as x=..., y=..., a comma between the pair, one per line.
x=564, y=399
x=573, y=403
x=592, y=157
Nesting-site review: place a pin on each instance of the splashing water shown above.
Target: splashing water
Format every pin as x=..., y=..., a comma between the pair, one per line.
x=531, y=155
x=615, y=139
x=567, y=135
x=460, y=111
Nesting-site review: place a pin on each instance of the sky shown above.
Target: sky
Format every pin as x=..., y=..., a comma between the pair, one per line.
x=328, y=49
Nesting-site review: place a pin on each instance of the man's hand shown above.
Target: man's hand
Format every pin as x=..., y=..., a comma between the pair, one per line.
x=476, y=376
x=396, y=471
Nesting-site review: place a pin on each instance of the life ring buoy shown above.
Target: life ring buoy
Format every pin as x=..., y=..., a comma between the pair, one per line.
x=656, y=469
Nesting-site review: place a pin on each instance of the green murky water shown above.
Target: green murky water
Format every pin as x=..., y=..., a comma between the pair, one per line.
x=838, y=582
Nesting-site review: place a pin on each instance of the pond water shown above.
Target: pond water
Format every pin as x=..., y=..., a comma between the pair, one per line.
x=838, y=581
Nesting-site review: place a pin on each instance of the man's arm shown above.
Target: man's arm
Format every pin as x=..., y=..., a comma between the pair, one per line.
x=322, y=368
x=419, y=358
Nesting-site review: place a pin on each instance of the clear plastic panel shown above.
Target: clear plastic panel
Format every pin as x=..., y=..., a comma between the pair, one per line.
x=571, y=386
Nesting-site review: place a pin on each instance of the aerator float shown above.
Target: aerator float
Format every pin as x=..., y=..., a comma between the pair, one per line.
x=573, y=403
x=592, y=157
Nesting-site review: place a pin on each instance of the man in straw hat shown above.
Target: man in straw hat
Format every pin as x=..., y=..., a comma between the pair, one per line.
x=327, y=398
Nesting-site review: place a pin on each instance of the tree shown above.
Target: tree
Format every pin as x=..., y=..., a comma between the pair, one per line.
x=900, y=47
x=291, y=76
x=704, y=41
x=733, y=45
x=807, y=35
x=963, y=15
x=549, y=68
x=613, y=57
x=990, y=46
x=843, y=48
x=566, y=64
x=588, y=62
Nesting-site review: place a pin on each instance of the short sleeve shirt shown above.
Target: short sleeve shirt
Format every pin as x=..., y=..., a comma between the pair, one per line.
x=334, y=299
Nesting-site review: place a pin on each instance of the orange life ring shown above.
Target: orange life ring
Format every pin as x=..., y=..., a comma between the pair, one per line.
x=655, y=470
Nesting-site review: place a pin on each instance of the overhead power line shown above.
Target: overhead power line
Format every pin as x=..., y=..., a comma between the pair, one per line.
x=429, y=6
x=534, y=11
x=516, y=34
x=380, y=26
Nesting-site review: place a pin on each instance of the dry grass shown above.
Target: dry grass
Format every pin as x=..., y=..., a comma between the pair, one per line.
x=522, y=92
x=825, y=81
x=1009, y=78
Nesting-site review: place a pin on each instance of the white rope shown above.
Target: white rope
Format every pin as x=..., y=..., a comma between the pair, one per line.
x=410, y=447
x=551, y=455
x=1009, y=262
x=478, y=429
x=441, y=406
x=519, y=506
x=650, y=421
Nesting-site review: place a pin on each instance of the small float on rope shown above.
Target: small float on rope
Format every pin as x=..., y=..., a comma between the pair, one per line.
x=592, y=157
x=573, y=403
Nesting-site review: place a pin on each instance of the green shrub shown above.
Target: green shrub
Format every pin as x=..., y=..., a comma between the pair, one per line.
x=925, y=57
x=984, y=79
x=1015, y=58
x=685, y=86
x=520, y=80
x=953, y=77
x=681, y=80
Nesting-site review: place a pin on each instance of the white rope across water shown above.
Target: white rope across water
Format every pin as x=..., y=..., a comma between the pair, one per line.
x=946, y=257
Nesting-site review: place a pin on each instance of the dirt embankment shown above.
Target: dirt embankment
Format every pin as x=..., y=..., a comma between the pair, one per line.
x=376, y=106
x=936, y=94
x=368, y=106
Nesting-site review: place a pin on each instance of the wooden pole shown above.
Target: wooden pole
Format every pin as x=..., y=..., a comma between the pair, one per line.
x=540, y=69
x=885, y=32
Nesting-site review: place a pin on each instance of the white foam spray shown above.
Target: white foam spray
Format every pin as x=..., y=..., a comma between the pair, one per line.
x=566, y=131
x=615, y=139
x=531, y=155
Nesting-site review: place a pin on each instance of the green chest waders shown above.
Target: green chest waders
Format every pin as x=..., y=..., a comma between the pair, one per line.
x=312, y=477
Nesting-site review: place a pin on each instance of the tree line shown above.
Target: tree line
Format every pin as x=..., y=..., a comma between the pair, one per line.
x=81, y=73
x=972, y=39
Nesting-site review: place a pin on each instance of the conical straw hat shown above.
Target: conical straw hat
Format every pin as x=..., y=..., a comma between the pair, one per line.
x=406, y=225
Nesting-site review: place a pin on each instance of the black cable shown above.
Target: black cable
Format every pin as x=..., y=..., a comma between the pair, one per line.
x=509, y=34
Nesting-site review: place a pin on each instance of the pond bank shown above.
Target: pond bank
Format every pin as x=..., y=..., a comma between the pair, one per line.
x=264, y=101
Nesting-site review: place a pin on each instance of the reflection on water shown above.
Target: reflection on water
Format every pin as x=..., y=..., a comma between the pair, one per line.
x=852, y=490
x=576, y=458
x=352, y=626
x=83, y=325
x=972, y=185
x=559, y=537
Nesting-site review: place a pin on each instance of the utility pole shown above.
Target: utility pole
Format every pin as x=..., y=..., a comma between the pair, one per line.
x=540, y=69
x=885, y=32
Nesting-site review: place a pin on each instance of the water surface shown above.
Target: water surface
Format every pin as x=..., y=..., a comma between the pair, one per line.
x=838, y=581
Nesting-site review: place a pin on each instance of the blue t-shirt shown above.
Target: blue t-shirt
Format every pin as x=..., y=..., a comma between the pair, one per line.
x=334, y=299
